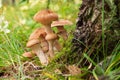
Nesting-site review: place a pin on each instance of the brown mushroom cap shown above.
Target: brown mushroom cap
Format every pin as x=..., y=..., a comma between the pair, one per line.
x=37, y=33
x=51, y=37
x=34, y=37
x=32, y=42
x=61, y=22
x=29, y=54
x=45, y=17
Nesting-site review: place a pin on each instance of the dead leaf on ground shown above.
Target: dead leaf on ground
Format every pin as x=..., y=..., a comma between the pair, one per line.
x=73, y=70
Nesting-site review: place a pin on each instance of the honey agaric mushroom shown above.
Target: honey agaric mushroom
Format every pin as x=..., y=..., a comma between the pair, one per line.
x=40, y=34
x=35, y=40
x=45, y=17
x=29, y=54
x=60, y=26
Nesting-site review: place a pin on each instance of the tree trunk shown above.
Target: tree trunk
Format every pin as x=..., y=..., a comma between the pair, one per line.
x=98, y=27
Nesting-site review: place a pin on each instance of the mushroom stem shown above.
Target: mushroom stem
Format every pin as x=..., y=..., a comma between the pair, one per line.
x=44, y=44
x=61, y=28
x=62, y=32
x=57, y=45
x=45, y=47
x=42, y=57
x=48, y=29
x=51, y=36
x=51, y=51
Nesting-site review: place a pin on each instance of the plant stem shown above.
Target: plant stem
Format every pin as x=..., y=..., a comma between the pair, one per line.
x=103, y=40
x=48, y=3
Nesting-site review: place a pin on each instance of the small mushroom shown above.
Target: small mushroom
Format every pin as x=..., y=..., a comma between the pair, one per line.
x=45, y=17
x=39, y=45
x=40, y=34
x=60, y=26
x=29, y=54
x=34, y=44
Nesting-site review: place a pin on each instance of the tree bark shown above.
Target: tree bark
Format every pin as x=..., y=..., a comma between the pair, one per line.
x=98, y=27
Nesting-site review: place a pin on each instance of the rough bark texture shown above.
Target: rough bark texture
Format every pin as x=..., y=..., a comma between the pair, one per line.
x=88, y=34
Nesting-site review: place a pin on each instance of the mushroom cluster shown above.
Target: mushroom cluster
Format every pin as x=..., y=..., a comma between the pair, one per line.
x=44, y=40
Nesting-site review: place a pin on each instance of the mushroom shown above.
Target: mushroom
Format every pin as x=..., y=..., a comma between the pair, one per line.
x=60, y=26
x=29, y=54
x=35, y=46
x=35, y=40
x=40, y=34
x=45, y=17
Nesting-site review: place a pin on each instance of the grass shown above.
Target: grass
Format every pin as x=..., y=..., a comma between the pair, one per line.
x=21, y=25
